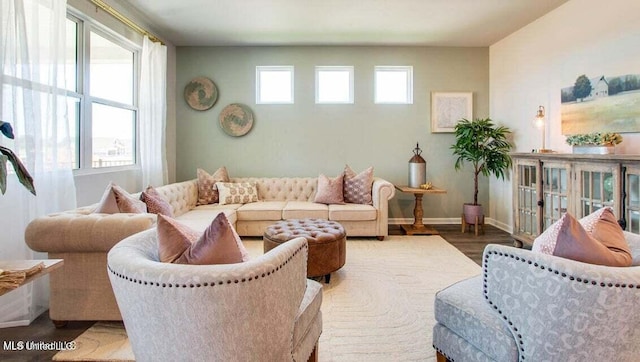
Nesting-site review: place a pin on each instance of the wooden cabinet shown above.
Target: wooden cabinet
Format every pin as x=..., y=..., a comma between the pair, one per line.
x=546, y=185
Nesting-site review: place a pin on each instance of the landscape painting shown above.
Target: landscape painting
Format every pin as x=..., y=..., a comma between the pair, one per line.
x=601, y=104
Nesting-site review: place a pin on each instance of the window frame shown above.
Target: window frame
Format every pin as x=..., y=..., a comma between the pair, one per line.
x=84, y=124
x=280, y=68
x=407, y=69
x=335, y=68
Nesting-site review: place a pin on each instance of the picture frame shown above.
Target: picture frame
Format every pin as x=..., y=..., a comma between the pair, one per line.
x=447, y=108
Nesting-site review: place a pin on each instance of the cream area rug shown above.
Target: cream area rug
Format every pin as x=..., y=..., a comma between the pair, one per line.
x=378, y=307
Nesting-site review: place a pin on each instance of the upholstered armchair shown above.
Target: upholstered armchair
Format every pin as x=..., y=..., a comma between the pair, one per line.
x=527, y=306
x=264, y=309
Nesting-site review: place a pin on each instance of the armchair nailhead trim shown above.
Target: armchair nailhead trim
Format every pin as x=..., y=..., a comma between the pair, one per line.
x=541, y=267
x=444, y=354
x=207, y=284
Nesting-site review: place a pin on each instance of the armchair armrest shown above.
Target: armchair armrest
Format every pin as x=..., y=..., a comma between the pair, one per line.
x=560, y=309
x=634, y=244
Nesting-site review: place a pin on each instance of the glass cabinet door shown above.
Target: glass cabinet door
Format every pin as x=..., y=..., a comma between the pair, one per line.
x=556, y=187
x=598, y=186
x=632, y=201
x=526, y=212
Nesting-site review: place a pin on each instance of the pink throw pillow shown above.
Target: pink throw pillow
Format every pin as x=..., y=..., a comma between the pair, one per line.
x=602, y=243
x=115, y=200
x=329, y=190
x=207, y=190
x=357, y=187
x=219, y=244
x=156, y=204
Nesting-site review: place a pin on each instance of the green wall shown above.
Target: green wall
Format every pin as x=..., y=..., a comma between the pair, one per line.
x=305, y=139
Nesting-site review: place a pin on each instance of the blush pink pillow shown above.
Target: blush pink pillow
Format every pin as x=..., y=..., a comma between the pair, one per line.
x=156, y=204
x=357, y=187
x=219, y=244
x=329, y=190
x=173, y=238
x=602, y=242
x=207, y=189
x=115, y=199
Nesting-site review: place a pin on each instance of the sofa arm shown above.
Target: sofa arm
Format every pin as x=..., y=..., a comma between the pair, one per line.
x=560, y=309
x=381, y=192
x=83, y=232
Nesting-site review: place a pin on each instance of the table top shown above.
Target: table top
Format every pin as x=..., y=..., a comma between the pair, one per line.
x=414, y=190
x=49, y=266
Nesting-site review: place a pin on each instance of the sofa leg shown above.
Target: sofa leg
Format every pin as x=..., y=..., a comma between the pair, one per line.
x=59, y=324
x=440, y=357
x=314, y=354
x=380, y=237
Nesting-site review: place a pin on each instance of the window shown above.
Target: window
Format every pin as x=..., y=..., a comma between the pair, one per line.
x=101, y=83
x=334, y=84
x=274, y=85
x=394, y=84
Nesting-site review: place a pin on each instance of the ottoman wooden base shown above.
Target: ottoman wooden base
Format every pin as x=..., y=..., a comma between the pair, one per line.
x=327, y=243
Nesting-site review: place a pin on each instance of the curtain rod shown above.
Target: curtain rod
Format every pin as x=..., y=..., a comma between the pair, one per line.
x=123, y=19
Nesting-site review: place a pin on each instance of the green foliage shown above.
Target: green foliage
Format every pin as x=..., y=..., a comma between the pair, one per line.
x=567, y=96
x=594, y=139
x=483, y=145
x=582, y=87
x=631, y=83
x=615, y=86
x=6, y=155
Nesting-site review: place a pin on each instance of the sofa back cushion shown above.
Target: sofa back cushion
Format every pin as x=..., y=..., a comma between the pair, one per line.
x=283, y=188
x=182, y=196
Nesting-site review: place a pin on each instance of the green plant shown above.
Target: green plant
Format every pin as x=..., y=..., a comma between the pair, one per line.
x=7, y=155
x=594, y=139
x=485, y=146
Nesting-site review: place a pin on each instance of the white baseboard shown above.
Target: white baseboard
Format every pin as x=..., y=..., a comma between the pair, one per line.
x=451, y=220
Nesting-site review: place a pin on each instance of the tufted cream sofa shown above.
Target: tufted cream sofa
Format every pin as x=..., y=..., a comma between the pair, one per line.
x=81, y=289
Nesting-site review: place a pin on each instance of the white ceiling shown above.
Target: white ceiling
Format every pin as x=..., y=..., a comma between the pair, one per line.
x=340, y=22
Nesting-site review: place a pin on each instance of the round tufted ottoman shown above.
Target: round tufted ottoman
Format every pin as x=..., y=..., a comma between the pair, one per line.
x=327, y=243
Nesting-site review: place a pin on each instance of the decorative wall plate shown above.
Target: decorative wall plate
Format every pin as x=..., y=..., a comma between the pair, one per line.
x=236, y=119
x=201, y=93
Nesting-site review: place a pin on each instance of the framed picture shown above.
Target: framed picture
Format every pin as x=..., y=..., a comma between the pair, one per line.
x=447, y=108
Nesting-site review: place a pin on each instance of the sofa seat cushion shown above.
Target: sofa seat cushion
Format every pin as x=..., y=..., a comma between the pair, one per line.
x=305, y=210
x=217, y=207
x=352, y=212
x=309, y=310
x=200, y=218
x=261, y=210
x=463, y=309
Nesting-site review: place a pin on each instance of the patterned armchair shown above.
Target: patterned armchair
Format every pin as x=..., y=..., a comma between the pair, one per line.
x=263, y=309
x=532, y=307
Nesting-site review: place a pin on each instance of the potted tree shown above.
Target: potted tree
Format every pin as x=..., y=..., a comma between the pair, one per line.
x=485, y=146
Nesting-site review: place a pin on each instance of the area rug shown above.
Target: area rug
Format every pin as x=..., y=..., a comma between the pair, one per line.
x=378, y=307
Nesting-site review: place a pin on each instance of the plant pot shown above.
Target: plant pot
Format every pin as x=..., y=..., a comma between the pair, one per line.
x=595, y=150
x=472, y=211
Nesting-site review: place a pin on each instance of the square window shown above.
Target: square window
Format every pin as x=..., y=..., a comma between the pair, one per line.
x=394, y=85
x=113, y=136
x=274, y=85
x=334, y=84
x=111, y=70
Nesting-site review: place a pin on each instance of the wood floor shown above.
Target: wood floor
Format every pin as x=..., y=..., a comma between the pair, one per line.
x=43, y=330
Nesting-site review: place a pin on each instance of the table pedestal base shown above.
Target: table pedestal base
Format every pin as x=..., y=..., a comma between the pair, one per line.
x=419, y=230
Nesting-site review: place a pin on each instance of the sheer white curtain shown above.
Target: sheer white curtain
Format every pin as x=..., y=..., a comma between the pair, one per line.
x=32, y=64
x=152, y=108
